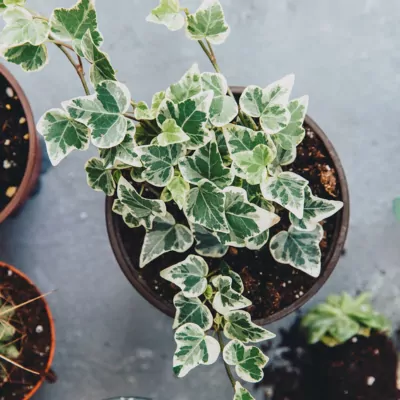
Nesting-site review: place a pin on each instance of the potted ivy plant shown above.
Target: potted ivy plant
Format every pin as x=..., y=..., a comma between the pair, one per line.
x=27, y=335
x=224, y=195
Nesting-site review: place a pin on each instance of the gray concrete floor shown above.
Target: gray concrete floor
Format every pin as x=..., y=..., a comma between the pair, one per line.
x=345, y=55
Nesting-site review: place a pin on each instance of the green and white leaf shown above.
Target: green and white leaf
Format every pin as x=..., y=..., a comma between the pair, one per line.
x=239, y=326
x=283, y=157
x=165, y=236
x=191, y=310
x=208, y=23
x=241, y=393
x=226, y=299
x=208, y=243
x=136, y=174
x=8, y=3
x=168, y=13
x=241, y=139
x=118, y=207
x=223, y=108
x=206, y=163
x=189, y=275
x=62, y=134
x=300, y=249
x=188, y=86
x=258, y=242
x=143, y=136
x=102, y=113
x=99, y=177
x=142, y=110
x=286, y=189
x=249, y=361
x=172, y=133
x=315, y=211
x=145, y=210
x=30, y=58
x=237, y=283
x=178, y=189
x=194, y=347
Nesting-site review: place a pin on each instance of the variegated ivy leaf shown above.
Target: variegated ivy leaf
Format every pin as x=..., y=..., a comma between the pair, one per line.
x=168, y=13
x=241, y=393
x=159, y=162
x=208, y=243
x=144, y=136
x=286, y=189
x=103, y=113
x=205, y=205
x=194, y=347
x=315, y=210
x=258, y=242
x=142, y=110
x=208, y=23
x=136, y=174
x=300, y=249
x=188, y=86
x=237, y=283
x=71, y=24
x=269, y=104
x=21, y=27
x=239, y=326
x=249, y=361
x=178, y=189
x=223, y=108
x=206, y=163
x=294, y=133
x=254, y=195
x=30, y=58
x=62, y=134
x=283, y=157
x=165, y=236
x=189, y=275
x=191, y=115
x=172, y=133
x=191, y=310
x=99, y=177
x=227, y=299
x=145, y=210
x=118, y=207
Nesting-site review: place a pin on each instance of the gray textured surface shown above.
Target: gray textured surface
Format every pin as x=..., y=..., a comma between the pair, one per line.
x=346, y=57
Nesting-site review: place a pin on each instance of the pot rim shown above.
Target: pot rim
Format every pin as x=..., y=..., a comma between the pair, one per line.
x=31, y=171
x=52, y=329
x=339, y=239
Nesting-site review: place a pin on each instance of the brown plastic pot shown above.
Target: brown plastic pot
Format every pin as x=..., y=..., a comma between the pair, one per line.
x=33, y=166
x=339, y=238
x=46, y=374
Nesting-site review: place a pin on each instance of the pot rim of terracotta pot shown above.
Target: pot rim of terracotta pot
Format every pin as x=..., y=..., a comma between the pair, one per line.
x=52, y=330
x=332, y=258
x=33, y=165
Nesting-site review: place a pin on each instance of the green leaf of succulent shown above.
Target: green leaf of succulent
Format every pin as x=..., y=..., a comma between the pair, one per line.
x=189, y=275
x=179, y=190
x=286, y=189
x=194, y=347
x=315, y=210
x=145, y=210
x=142, y=110
x=223, y=108
x=102, y=113
x=168, y=13
x=241, y=393
x=165, y=236
x=172, y=133
x=206, y=163
x=62, y=134
x=30, y=58
x=191, y=310
x=159, y=162
x=99, y=177
x=208, y=243
x=227, y=299
x=205, y=205
x=396, y=208
x=300, y=249
x=249, y=361
x=188, y=86
x=237, y=283
x=208, y=23
x=22, y=28
x=239, y=326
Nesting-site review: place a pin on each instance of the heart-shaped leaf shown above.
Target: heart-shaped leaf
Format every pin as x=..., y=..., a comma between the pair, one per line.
x=208, y=243
x=168, y=13
x=178, y=188
x=283, y=157
x=188, y=86
x=30, y=58
x=172, y=133
x=142, y=110
x=99, y=177
x=237, y=283
x=241, y=393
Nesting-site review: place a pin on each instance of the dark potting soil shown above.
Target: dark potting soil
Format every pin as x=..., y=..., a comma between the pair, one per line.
x=33, y=338
x=14, y=142
x=269, y=285
x=360, y=369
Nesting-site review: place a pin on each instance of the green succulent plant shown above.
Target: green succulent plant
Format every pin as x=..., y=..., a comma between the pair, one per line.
x=342, y=317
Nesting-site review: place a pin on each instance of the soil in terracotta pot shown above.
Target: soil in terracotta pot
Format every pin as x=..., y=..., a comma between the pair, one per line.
x=361, y=369
x=14, y=142
x=269, y=285
x=33, y=338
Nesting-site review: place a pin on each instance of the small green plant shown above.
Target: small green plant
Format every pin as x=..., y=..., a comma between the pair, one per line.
x=342, y=317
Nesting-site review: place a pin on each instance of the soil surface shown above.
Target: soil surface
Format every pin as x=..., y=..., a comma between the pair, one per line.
x=269, y=285
x=361, y=369
x=33, y=337
x=14, y=142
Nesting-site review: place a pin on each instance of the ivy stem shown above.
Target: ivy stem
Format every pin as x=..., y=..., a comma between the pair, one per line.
x=227, y=368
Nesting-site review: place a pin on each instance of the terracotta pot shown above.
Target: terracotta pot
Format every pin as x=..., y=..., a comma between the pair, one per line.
x=33, y=167
x=128, y=267
x=47, y=373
